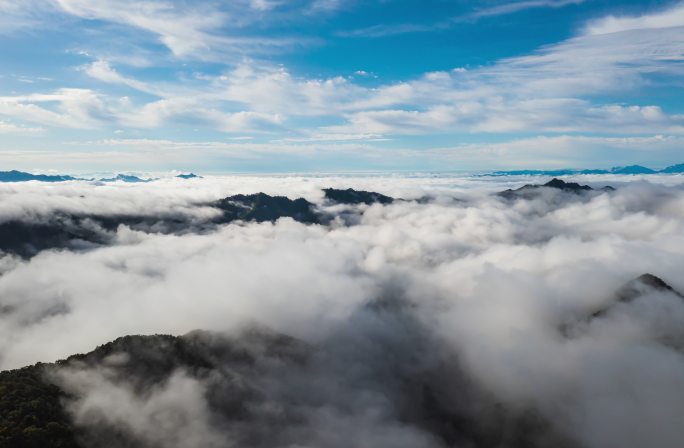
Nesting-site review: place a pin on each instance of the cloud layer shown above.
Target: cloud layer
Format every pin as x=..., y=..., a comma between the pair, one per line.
x=501, y=291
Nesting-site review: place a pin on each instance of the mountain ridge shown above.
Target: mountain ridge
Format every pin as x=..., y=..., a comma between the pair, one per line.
x=64, y=230
x=237, y=369
x=528, y=191
x=23, y=176
x=628, y=170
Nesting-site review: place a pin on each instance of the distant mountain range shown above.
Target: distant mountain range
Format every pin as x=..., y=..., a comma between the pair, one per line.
x=20, y=176
x=631, y=169
x=125, y=178
x=81, y=231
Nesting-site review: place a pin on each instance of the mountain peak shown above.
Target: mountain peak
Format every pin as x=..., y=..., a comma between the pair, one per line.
x=532, y=190
x=351, y=196
x=679, y=168
x=632, y=169
x=640, y=285
x=262, y=207
x=562, y=185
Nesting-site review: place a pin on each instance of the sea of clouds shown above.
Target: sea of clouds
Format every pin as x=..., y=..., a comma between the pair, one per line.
x=495, y=291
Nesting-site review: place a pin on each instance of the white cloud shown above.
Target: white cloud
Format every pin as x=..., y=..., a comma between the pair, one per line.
x=552, y=90
x=495, y=283
x=168, y=409
x=183, y=31
x=19, y=16
x=497, y=115
x=194, y=31
x=69, y=108
x=668, y=18
x=513, y=7
x=264, y=5
x=103, y=71
x=10, y=128
x=327, y=5
x=502, y=9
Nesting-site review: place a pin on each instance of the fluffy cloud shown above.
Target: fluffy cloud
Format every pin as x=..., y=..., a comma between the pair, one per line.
x=505, y=290
x=670, y=18
x=67, y=108
x=571, y=87
x=542, y=92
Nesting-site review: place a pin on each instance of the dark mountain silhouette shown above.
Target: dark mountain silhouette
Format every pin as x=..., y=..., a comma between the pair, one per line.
x=20, y=176
x=531, y=190
x=269, y=389
x=351, y=196
x=31, y=400
x=28, y=237
x=640, y=287
x=567, y=186
x=636, y=288
x=261, y=207
x=59, y=230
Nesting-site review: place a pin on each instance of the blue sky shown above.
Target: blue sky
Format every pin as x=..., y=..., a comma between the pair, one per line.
x=334, y=85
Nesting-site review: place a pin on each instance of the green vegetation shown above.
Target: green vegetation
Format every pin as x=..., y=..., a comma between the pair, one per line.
x=31, y=415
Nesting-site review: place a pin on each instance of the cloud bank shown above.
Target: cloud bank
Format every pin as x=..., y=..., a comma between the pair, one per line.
x=503, y=311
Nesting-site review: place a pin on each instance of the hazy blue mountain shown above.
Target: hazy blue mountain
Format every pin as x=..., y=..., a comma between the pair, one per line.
x=20, y=176
x=632, y=169
x=564, y=172
x=593, y=171
x=189, y=176
x=126, y=178
x=673, y=169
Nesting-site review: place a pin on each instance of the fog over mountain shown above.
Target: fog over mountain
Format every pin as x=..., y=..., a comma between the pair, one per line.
x=411, y=311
